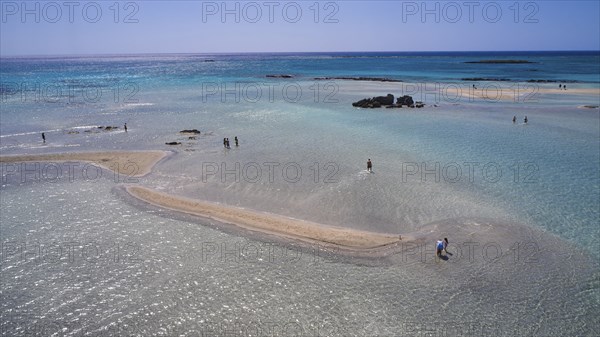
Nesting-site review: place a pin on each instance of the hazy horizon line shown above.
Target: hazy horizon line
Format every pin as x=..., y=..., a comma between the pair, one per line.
x=297, y=52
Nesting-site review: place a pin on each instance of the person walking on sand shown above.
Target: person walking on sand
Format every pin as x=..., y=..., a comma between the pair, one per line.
x=445, y=245
x=439, y=246
x=369, y=165
x=225, y=142
x=44, y=138
x=236, y=141
x=514, y=119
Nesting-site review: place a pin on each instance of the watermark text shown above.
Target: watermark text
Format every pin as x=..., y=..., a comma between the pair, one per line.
x=470, y=12
x=69, y=93
x=270, y=12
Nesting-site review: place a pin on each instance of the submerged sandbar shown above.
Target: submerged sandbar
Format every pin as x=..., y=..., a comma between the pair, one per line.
x=266, y=222
x=131, y=163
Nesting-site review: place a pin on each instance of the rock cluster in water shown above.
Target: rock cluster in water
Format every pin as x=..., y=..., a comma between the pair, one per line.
x=192, y=131
x=108, y=128
x=372, y=79
x=388, y=102
x=280, y=76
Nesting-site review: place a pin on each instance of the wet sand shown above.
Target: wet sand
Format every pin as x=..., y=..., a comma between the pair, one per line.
x=269, y=223
x=130, y=163
x=140, y=163
x=518, y=92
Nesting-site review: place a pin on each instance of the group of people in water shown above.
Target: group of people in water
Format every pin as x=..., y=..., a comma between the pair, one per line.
x=562, y=86
x=226, y=142
x=525, y=120
x=440, y=244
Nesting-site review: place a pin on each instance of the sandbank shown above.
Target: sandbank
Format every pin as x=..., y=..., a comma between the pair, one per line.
x=462, y=91
x=522, y=92
x=130, y=163
x=268, y=223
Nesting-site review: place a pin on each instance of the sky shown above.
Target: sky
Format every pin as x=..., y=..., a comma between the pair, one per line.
x=134, y=27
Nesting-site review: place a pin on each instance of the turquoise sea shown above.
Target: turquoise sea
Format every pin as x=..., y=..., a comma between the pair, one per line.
x=80, y=258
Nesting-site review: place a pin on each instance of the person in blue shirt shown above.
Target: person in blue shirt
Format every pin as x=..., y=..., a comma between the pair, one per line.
x=439, y=246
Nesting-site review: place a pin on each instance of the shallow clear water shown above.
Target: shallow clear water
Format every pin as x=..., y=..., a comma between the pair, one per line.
x=461, y=168
x=86, y=260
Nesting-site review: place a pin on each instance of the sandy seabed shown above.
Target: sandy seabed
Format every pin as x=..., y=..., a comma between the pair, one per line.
x=141, y=164
x=131, y=163
x=267, y=222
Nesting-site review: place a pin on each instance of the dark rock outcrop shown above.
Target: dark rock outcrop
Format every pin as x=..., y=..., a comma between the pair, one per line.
x=375, y=102
x=108, y=128
x=372, y=79
x=552, y=81
x=405, y=100
x=280, y=76
x=487, y=79
x=388, y=102
x=501, y=61
x=193, y=131
x=385, y=100
x=363, y=103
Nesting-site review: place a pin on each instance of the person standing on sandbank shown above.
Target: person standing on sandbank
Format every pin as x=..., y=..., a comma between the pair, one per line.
x=236, y=141
x=369, y=165
x=44, y=138
x=439, y=246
